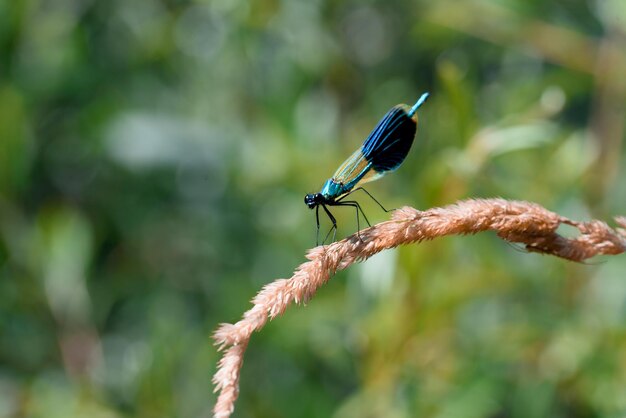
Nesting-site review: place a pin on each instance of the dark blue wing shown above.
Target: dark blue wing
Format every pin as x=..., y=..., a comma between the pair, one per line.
x=390, y=141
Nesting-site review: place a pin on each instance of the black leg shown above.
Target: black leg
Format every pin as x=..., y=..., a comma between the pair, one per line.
x=333, y=228
x=368, y=193
x=358, y=208
x=317, y=220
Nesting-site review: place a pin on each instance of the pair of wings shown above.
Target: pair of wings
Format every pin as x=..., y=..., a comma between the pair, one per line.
x=383, y=151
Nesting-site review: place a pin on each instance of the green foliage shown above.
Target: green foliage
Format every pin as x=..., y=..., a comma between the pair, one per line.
x=153, y=160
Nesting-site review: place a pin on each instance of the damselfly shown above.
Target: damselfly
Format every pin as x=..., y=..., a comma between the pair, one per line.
x=383, y=151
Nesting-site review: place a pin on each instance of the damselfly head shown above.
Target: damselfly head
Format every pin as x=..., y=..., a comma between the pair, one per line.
x=313, y=199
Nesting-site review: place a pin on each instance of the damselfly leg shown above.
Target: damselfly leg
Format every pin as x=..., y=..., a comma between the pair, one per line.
x=333, y=228
x=369, y=194
x=358, y=208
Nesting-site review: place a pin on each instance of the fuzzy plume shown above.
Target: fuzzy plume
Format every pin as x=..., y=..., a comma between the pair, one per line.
x=514, y=221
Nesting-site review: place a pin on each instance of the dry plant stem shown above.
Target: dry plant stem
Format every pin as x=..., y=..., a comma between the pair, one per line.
x=514, y=221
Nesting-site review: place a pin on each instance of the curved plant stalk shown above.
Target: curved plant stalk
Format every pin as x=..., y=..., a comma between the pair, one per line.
x=514, y=221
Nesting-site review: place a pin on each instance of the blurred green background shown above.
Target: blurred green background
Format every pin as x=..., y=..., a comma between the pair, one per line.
x=154, y=156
